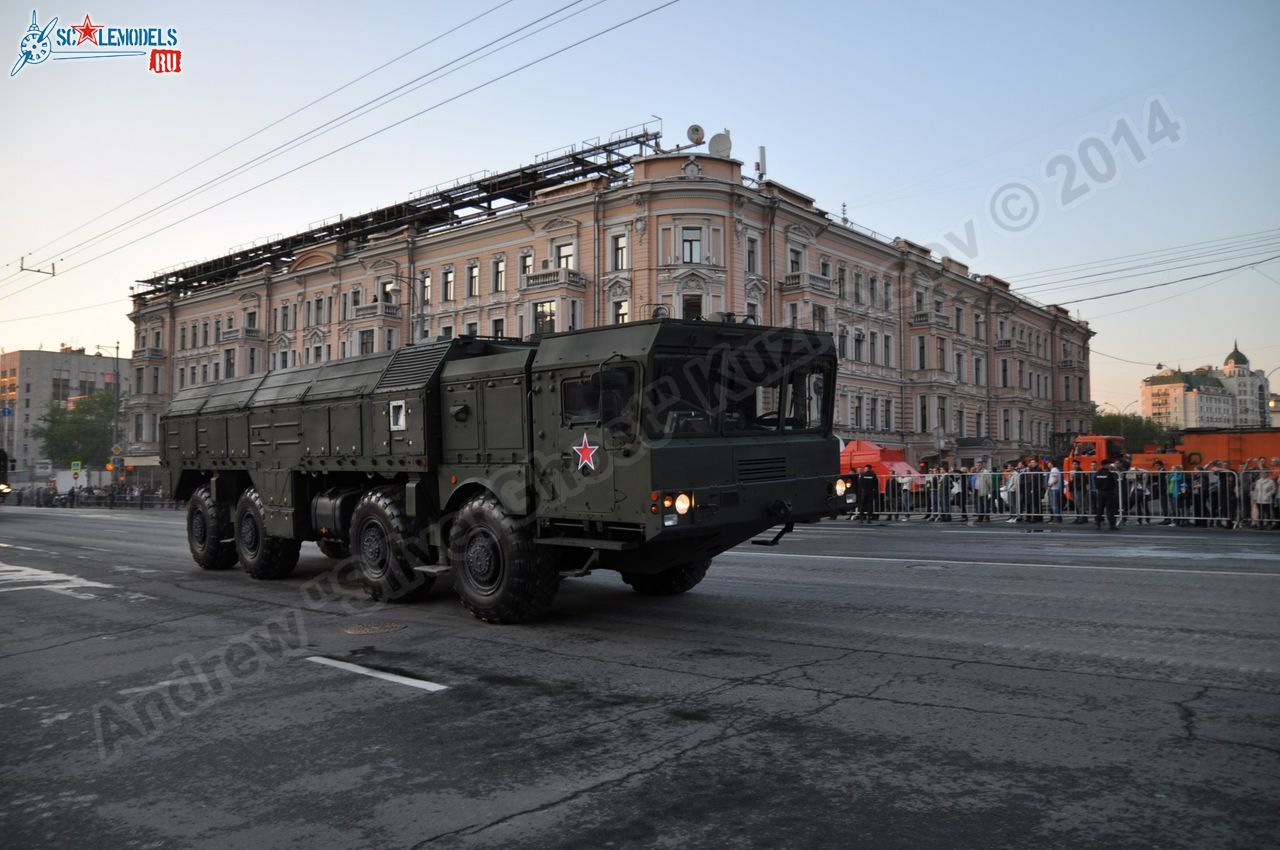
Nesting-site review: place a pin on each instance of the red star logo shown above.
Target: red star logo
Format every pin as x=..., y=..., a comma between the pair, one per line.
x=88, y=31
x=586, y=453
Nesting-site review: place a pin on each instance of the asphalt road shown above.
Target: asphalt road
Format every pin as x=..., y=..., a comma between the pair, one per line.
x=898, y=685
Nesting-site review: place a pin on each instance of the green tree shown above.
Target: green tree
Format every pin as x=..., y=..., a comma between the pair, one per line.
x=1137, y=431
x=84, y=433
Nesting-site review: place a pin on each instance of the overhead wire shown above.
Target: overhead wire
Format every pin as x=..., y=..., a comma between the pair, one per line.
x=357, y=141
x=317, y=131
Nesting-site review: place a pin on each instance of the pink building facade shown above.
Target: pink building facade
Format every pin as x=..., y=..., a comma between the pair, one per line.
x=932, y=358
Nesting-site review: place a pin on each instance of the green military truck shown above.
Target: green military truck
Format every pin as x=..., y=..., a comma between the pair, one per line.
x=646, y=448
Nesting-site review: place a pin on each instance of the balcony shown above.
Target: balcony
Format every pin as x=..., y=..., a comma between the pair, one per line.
x=377, y=310
x=148, y=354
x=1011, y=344
x=554, y=277
x=924, y=319
x=933, y=376
x=1072, y=363
x=806, y=280
x=233, y=334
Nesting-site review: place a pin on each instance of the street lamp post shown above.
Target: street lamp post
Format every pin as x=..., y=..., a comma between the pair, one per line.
x=115, y=410
x=403, y=282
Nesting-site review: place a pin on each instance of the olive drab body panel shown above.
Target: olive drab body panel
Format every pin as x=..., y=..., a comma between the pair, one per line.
x=645, y=448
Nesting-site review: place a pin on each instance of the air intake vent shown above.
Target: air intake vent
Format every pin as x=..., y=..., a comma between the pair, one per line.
x=762, y=469
x=413, y=367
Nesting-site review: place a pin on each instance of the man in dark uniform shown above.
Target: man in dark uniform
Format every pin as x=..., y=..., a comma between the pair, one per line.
x=868, y=492
x=1107, y=482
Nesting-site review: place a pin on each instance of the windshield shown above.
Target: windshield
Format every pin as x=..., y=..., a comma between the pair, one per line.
x=741, y=392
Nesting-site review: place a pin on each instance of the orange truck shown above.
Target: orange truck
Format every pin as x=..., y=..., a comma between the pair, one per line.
x=1236, y=447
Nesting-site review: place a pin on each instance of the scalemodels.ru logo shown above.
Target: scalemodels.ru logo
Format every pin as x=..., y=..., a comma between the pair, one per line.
x=88, y=40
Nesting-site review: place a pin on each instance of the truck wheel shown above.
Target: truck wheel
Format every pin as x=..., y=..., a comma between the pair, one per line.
x=500, y=574
x=335, y=549
x=262, y=555
x=678, y=579
x=209, y=531
x=382, y=537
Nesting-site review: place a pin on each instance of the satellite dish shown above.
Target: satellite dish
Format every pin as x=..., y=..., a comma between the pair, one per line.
x=696, y=134
x=660, y=312
x=720, y=144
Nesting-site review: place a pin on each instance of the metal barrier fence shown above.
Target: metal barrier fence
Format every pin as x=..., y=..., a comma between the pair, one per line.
x=42, y=497
x=1198, y=497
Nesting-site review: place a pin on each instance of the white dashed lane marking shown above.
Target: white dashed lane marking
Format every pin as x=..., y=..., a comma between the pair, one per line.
x=14, y=577
x=421, y=684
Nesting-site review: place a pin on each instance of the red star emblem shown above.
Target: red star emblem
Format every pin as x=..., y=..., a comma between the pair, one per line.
x=586, y=453
x=88, y=31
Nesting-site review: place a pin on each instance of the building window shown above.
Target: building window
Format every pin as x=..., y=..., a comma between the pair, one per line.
x=1004, y=371
x=306, y=318
x=182, y=338
x=797, y=260
x=498, y=327
x=979, y=424
x=193, y=376
x=526, y=264
x=691, y=306
x=691, y=244
x=921, y=362
x=857, y=287
x=544, y=317
x=888, y=350
x=888, y=415
x=840, y=283
x=871, y=290
x=621, y=312
x=253, y=361
x=446, y=285
x=390, y=340
x=446, y=331
x=217, y=330
x=858, y=339
x=922, y=415
x=155, y=339
x=251, y=320
x=619, y=251
x=795, y=314
x=824, y=267
x=216, y=370
x=319, y=310
x=819, y=318
x=564, y=256
x=888, y=294
x=857, y=412
x=753, y=311
x=473, y=281
x=426, y=288
x=137, y=427
x=473, y=328
x=500, y=275
x=842, y=344
x=230, y=363
x=366, y=342
x=204, y=333
x=182, y=377
x=959, y=368
x=978, y=377
x=959, y=320
x=873, y=412
x=139, y=373
x=316, y=352
x=872, y=348
x=753, y=255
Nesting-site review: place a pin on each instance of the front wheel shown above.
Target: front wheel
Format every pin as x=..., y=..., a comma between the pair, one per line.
x=499, y=572
x=678, y=579
x=262, y=555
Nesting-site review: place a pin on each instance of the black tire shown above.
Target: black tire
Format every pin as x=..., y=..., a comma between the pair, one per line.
x=209, y=531
x=678, y=579
x=261, y=555
x=383, y=539
x=500, y=574
x=335, y=549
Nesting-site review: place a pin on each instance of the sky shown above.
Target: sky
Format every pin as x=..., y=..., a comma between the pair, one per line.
x=1076, y=150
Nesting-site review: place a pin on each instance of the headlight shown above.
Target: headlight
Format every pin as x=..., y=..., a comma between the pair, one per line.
x=841, y=486
x=683, y=503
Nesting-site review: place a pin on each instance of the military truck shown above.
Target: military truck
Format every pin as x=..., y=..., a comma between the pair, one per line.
x=646, y=448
